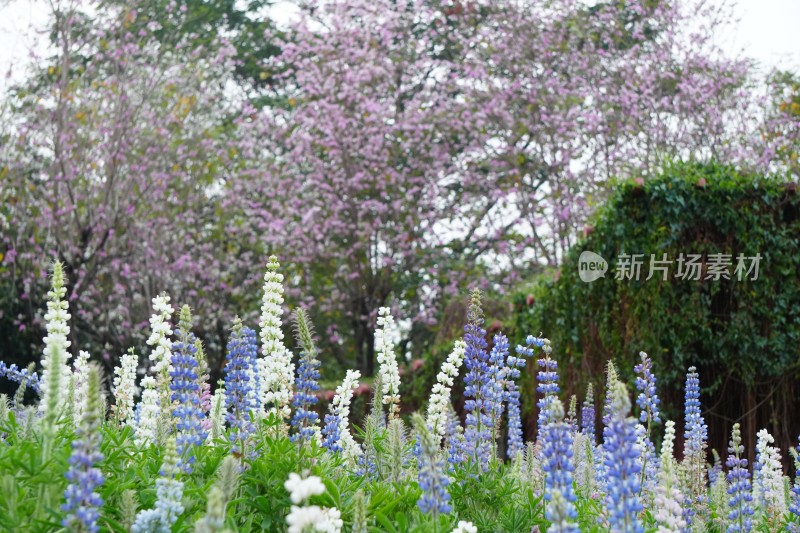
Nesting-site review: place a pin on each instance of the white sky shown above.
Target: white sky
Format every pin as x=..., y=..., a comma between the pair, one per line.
x=767, y=32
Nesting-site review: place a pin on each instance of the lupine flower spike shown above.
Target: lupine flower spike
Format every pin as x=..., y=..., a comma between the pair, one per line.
x=82, y=501
x=433, y=478
x=305, y=421
x=239, y=401
x=739, y=489
x=55, y=370
x=186, y=393
x=337, y=432
x=161, y=357
x=623, y=467
x=478, y=389
x=548, y=381
x=387, y=359
x=125, y=388
x=668, y=498
x=694, y=455
x=512, y=395
x=768, y=489
x=588, y=416
x=557, y=464
x=78, y=388
x=169, y=494
x=439, y=403
x=794, y=496
x=275, y=373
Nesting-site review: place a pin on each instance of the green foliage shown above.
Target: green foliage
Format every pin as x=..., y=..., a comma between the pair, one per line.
x=745, y=331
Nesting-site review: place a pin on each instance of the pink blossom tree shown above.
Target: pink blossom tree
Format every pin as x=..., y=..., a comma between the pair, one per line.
x=117, y=148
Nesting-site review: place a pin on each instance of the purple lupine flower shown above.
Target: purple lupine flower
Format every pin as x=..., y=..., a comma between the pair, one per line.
x=20, y=376
x=513, y=365
x=186, y=392
x=242, y=349
x=306, y=383
x=622, y=465
x=588, y=416
x=739, y=488
x=477, y=387
x=646, y=385
x=432, y=478
x=82, y=502
x=556, y=438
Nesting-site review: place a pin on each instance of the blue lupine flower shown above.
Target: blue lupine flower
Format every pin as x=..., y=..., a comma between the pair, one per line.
x=432, y=478
x=169, y=494
x=242, y=350
x=694, y=446
x=513, y=366
x=588, y=416
x=696, y=429
x=646, y=385
x=794, y=497
x=716, y=469
x=739, y=489
x=556, y=438
x=332, y=433
x=20, y=376
x=650, y=459
x=82, y=502
x=456, y=450
x=478, y=389
x=186, y=392
x=306, y=383
x=622, y=465
x=548, y=382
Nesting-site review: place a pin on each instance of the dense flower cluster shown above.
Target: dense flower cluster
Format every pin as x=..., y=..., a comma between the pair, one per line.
x=619, y=485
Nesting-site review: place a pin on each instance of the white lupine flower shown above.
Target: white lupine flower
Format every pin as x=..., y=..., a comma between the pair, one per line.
x=465, y=527
x=302, y=489
x=125, y=387
x=80, y=386
x=669, y=514
x=439, y=402
x=314, y=518
x=389, y=371
x=56, y=319
x=159, y=337
x=149, y=413
x=275, y=373
x=217, y=415
x=768, y=489
x=341, y=406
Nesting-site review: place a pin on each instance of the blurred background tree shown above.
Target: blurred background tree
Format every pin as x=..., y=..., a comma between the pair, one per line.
x=390, y=153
